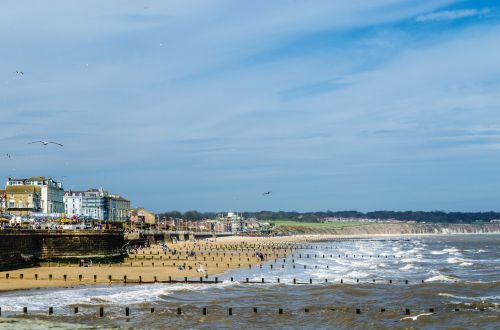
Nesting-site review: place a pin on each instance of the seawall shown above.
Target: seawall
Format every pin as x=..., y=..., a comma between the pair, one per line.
x=28, y=248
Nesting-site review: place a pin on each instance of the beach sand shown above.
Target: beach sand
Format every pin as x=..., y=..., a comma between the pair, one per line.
x=151, y=264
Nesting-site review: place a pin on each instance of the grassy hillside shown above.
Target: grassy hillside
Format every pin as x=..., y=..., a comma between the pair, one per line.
x=315, y=225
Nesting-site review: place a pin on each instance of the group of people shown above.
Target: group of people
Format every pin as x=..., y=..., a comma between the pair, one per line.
x=260, y=255
x=199, y=268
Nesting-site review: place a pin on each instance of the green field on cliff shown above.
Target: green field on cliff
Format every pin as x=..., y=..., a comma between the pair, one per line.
x=316, y=225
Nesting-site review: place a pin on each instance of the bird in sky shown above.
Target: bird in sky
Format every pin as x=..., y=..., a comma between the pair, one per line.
x=8, y=155
x=19, y=72
x=414, y=318
x=46, y=143
x=266, y=193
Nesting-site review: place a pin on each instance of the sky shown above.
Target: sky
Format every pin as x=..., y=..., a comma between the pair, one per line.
x=329, y=105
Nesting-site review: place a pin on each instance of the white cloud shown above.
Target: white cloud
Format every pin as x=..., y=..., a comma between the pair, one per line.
x=448, y=15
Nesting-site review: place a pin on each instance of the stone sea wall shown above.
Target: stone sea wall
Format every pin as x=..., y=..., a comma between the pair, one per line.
x=27, y=248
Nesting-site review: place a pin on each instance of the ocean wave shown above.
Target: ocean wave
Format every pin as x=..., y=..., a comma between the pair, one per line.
x=479, y=299
x=357, y=274
x=108, y=295
x=441, y=278
x=460, y=261
x=408, y=267
x=453, y=251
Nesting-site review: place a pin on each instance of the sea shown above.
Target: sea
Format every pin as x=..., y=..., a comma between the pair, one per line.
x=417, y=282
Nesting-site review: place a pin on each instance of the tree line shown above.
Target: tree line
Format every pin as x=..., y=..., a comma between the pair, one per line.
x=420, y=216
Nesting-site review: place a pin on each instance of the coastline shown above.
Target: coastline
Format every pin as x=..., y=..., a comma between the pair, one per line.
x=153, y=266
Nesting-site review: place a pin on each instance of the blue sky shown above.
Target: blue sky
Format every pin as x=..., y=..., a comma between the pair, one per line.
x=364, y=105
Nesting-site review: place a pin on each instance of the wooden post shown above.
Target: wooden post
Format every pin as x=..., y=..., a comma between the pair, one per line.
x=80, y=277
x=127, y=311
x=230, y=311
x=204, y=311
x=101, y=311
x=407, y=311
x=179, y=311
x=125, y=279
x=25, y=310
x=358, y=311
x=51, y=310
x=280, y=311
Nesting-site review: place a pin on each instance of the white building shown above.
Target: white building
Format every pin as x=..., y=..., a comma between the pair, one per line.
x=73, y=203
x=52, y=192
x=235, y=220
x=94, y=204
x=98, y=204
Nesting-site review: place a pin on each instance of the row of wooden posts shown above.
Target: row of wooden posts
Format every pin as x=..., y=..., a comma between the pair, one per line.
x=179, y=311
x=235, y=248
x=216, y=280
x=356, y=256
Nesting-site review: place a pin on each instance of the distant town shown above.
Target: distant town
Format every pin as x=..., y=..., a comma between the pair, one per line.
x=42, y=203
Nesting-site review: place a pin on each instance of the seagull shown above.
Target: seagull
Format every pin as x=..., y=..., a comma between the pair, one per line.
x=19, y=72
x=414, y=318
x=8, y=155
x=266, y=193
x=46, y=143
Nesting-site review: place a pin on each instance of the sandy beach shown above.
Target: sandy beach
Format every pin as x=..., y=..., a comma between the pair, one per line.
x=153, y=264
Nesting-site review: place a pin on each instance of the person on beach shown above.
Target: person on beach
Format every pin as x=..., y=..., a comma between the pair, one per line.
x=200, y=268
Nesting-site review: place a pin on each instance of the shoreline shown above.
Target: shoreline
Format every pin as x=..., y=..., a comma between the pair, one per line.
x=151, y=265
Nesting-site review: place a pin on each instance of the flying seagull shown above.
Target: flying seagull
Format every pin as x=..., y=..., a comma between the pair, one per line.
x=46, y=143
x=414, y=318
x=19, y=72
x=266, y=193
x=8, y=155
